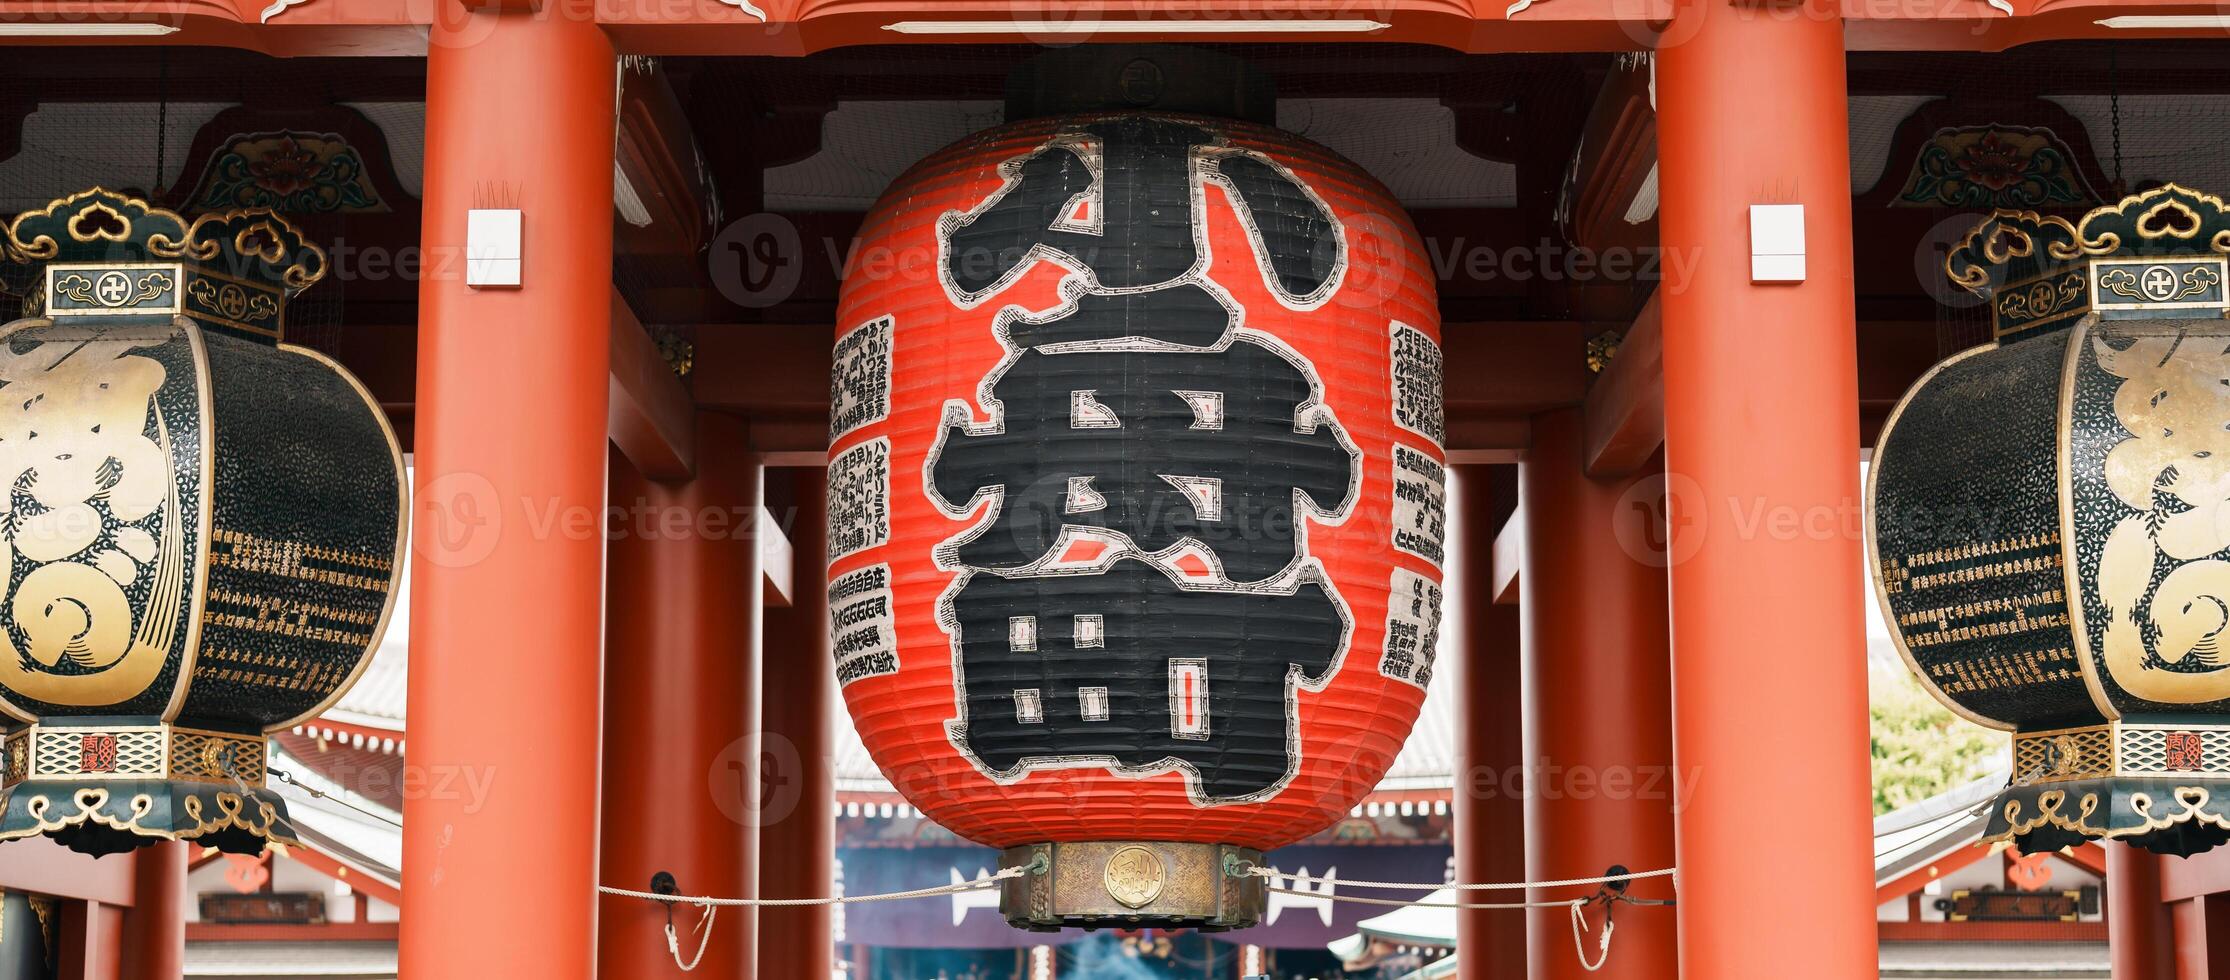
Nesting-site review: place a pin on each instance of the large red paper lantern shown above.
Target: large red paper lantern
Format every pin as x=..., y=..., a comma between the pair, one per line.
x=1136, y=500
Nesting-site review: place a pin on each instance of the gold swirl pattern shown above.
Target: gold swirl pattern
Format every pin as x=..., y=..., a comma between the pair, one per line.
x=233, y=812
x=2177, y=448
x=77, y=438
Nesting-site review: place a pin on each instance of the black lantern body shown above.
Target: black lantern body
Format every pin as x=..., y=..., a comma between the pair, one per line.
x=2049, y=522
x=203, y=528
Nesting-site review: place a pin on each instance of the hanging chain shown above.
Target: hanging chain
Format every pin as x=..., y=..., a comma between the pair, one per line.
x=2114, y=109
x=162, y=121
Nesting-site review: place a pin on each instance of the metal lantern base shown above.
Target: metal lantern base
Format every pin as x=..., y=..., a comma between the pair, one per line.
x=1131, y=884
x=110, y=788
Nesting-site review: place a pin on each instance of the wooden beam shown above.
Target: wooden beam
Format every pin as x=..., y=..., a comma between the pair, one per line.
x=1513, y=368
x=652, y=420
x=1616, y=162
x=1892, y=354
x=1624, y=413
x=2202, y=874
x=2087, y=856
x=1912, y=880
x=1509, y=556
x=40, y=865
x=775, y=559
x=282, y=932
x=92, y=944
x=791, y=440
x=1992, y=932
x=357, y=879
x=657, y=158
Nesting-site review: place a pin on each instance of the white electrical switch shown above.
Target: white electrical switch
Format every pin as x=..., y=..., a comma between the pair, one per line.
x=1777, y=243
x=492, y=248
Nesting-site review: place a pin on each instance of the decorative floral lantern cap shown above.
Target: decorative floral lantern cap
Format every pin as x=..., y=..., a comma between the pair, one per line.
x=2045, y=520
x=202, y=532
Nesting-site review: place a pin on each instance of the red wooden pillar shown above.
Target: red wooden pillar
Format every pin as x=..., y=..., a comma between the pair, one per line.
x=1761, y=437
x=1490, y=808
x=507, y=629
x=681, y=743
x=2138, y=925
x=1598, y=699
x=797, y=840
x=92, y=942
x=154, y=928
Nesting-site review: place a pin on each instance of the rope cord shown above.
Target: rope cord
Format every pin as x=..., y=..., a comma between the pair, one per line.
x=704, y=926
x=288, y=778
x=1262, y=872
x=1397, y=903
x=1602, y=943
x=707, y=901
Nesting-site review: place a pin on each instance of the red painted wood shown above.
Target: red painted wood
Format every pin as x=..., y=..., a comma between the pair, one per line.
x=797, y=835
x=154, y=928
x=1489, y=814
x=359, y=882
x=1912, y=882
x=92, y=943
x=2145, y=940
x=2202, y=931
x=2089, y=857
x=651, y=415
x=708, y=27
x=508, y=575
x=1769, y=660
x=1625, y=410
x=2205, y=873
x=2004, y=932
x=334, y=932
x=680, y=698
x=40, y=865
x=1596, y=675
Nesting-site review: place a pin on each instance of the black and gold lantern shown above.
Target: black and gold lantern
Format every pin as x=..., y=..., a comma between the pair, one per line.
x=2049, y=521
x=201, y=532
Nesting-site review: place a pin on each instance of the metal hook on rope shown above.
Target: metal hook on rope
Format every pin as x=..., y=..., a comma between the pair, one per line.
x=663, y=883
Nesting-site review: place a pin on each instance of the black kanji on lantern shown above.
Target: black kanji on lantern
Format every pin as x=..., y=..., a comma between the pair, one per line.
x=1129, y=669
x=1159, y=446
x=1120, y=199
x=1140, y=412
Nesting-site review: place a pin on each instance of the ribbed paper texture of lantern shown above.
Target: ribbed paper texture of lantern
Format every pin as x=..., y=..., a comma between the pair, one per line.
x=1136, y=495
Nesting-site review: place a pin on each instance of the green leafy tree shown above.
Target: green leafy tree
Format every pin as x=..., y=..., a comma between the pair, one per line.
x=1920, y=747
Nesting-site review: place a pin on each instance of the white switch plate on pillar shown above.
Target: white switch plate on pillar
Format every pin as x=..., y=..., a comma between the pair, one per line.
x=492, y=246
x=1777, y=243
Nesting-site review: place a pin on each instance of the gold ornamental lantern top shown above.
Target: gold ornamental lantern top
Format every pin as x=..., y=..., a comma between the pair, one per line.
x=2159, y=254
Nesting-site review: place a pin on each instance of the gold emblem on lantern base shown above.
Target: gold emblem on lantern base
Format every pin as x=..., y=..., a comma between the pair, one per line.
x=1129, y=884
x=1134, y=876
